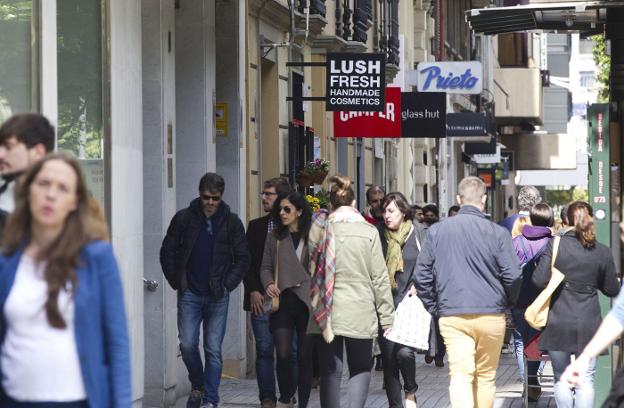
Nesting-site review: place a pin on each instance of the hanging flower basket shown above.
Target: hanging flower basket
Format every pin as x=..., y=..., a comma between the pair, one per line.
x=319, y=178
x=305, y=180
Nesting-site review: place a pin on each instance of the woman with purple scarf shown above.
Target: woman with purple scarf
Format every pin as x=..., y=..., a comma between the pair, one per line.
x=529, y=247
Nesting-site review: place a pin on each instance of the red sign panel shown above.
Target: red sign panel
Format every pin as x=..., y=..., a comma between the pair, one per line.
x=386, y=123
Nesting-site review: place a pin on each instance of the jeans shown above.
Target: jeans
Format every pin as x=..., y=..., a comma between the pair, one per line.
x=397, y=358
x=264, y=356
x=579, y=397
x=193, y=310
x=522, y=333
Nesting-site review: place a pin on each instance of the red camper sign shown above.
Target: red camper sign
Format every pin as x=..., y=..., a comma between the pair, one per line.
x=386, y=123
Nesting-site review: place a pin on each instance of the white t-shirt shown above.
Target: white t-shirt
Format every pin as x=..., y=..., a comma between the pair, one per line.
x=39, y=362
x=7, y=198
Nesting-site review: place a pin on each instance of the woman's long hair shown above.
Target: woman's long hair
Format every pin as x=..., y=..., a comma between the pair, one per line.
x=581, y=217
x=62, y=255
x=305, y=219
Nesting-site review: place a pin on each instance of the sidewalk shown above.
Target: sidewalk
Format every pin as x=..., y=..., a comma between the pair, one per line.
x=432, y=393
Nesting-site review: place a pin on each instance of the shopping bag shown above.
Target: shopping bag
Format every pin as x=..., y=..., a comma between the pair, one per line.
x=536, y=314
x=411, y=324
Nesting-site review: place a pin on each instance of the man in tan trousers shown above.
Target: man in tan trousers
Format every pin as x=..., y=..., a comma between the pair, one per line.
x=467, y=274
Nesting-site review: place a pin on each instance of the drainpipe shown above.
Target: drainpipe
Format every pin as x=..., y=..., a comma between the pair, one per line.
x=441, y=55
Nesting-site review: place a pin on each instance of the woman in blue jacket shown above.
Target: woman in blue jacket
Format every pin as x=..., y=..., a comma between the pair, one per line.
x=63, y=332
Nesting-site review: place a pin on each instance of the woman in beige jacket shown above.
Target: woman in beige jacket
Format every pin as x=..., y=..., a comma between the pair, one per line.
x=351, y=294
x=285, y=276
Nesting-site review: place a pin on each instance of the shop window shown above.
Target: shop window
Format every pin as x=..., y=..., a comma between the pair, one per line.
x=80, y=88
x=18, y=58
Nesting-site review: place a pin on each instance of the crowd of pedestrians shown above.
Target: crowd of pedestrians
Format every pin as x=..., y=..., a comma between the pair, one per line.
x=320, y=287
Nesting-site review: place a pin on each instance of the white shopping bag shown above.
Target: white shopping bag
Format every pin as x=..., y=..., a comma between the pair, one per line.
x=411, y=324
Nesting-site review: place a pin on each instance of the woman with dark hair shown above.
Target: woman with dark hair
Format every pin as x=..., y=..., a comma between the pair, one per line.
x=64, y=339
x=529, y=246
x=574, y=312
x=284, y=274
x=351, y=295
x=400, y=241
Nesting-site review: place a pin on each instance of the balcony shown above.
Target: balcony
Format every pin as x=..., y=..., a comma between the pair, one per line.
x=518, y=96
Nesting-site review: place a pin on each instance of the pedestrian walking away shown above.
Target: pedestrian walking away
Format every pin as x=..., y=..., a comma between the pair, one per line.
x=467, y=274
x=574, y=314
x=529, y=247
x=284, y=275
x=204, y=256
x=350, y=292
x=400, y=240
x=257, y=231
x=64, y=338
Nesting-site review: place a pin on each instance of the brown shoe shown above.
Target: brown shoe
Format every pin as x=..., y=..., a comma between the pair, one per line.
x=267, y=403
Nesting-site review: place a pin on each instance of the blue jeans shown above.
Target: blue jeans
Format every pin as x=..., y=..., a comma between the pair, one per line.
x=579, y=397
x=264, y=356
x=522, y=333
x=193, y=310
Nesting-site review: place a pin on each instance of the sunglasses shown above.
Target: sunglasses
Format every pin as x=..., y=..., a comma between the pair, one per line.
x=206, y=197
x=286, y=209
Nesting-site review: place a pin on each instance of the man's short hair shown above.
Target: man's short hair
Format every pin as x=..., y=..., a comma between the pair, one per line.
x=528, y=197
x=280, y=184
x=28, y=128
x=373, y=190
x=212, y=182
x=471, y=189
x=431, y=208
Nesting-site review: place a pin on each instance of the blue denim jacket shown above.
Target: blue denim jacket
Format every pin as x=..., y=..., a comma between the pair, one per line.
x=100, y=324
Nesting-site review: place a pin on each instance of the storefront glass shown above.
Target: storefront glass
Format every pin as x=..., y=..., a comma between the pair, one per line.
x=80, y=87
x=18, y=51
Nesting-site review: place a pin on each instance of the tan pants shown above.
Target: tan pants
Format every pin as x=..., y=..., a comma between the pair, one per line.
x=473, y=343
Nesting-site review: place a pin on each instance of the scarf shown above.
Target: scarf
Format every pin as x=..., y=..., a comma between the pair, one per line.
x=321, y=247
x=394, y=257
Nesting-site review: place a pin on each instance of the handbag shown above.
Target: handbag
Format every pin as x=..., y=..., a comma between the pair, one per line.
x=412, y=324
x=272, y=305
x=536, y=314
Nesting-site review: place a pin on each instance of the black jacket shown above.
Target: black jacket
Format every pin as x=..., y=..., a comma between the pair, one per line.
x=230, y=255
x=574, y=314
x=256, y=238
x=467, y=266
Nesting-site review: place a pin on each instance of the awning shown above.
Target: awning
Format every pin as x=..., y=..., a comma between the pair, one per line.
x=586, y=17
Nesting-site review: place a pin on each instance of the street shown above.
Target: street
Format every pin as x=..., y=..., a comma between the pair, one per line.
x=432, y=393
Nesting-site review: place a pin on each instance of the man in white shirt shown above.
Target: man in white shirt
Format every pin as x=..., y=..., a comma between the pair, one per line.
x=25, y=138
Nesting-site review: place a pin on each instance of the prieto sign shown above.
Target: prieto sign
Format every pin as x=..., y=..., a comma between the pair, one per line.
x=355, y=82
x=450, y=77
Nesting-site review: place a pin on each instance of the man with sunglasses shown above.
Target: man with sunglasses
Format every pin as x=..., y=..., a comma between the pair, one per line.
x=257, y=231
x=204, y=256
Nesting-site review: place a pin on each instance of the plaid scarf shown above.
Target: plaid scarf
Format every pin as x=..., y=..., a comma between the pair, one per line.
x=321, y=248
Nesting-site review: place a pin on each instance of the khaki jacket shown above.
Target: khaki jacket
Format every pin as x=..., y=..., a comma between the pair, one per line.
x=362, y=296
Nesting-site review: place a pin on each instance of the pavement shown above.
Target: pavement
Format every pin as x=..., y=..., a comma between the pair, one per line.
x=433, y=385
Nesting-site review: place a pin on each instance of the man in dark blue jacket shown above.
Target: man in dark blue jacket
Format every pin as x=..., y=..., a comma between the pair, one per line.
x=467, y=274
x=204, y=257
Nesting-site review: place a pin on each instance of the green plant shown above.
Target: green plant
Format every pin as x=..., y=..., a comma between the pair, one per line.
x=603, y=61
x=323, y=198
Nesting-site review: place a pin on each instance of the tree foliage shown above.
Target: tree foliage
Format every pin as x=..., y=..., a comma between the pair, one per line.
x=603, y=62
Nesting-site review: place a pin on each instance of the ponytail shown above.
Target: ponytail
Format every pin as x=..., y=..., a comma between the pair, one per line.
x=581, y=217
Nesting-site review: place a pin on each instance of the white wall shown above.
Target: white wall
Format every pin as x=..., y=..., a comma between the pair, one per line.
x=127, y=169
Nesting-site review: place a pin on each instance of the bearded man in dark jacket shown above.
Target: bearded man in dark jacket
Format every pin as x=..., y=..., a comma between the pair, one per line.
x=204, y=257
